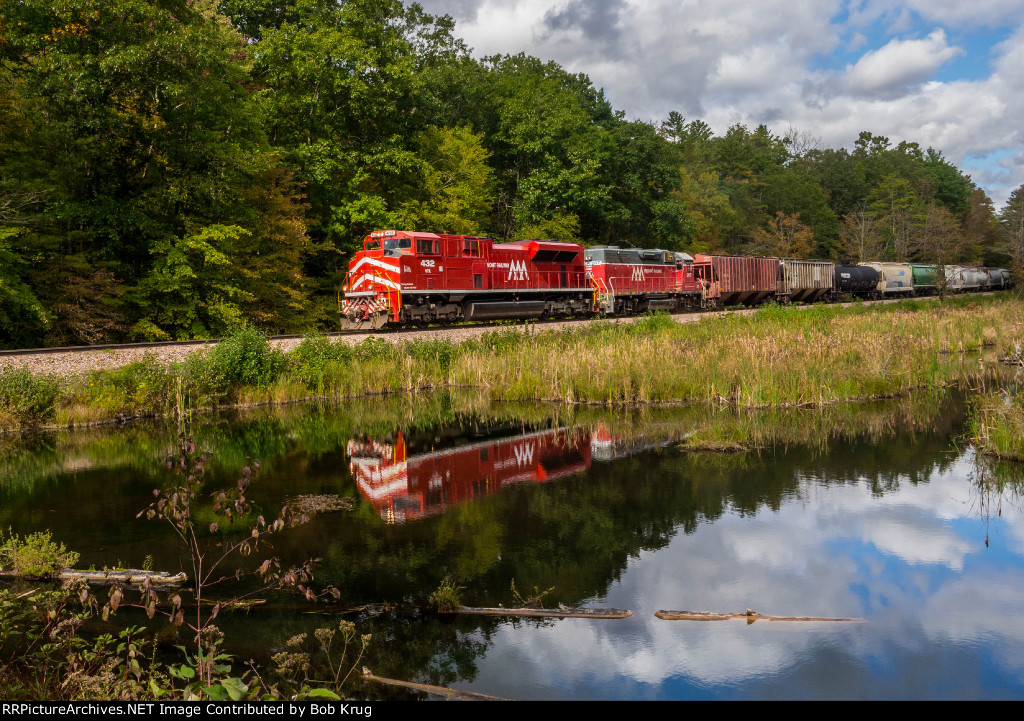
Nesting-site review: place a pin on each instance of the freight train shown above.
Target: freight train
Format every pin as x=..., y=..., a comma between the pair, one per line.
x=403, y=278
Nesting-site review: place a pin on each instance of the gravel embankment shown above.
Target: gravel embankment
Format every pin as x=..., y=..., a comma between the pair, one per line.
x=79, y=362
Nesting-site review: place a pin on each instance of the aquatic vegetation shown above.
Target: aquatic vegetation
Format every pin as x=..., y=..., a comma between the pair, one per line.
x=447, y=597
x=36, y=555
x=997, y=425
x=532, y=599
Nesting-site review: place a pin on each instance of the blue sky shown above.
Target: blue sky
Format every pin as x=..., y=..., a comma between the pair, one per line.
x=943, y=73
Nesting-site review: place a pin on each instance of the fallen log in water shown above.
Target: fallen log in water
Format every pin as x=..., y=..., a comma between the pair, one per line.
x=547, y=612
x=449, y=693
x=121, y=575
x=748, y=616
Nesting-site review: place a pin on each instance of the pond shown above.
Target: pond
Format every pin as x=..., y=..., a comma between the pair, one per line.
x=878, y=512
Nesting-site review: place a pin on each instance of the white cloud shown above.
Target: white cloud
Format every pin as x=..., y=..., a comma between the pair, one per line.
x=900, y=63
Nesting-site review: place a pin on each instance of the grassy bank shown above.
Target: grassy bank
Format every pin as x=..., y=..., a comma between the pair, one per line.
x=997, y=425
x=774, y=357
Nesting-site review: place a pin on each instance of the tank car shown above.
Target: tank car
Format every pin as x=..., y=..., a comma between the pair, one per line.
x=857, y=280
x=966, y=280
x=893, y=279
x=925, y=278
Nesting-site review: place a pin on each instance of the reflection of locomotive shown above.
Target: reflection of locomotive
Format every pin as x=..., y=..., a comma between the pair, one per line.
x=402, y=487
x=405, y=277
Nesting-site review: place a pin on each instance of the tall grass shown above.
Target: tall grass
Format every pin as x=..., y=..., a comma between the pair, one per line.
x=775, y=357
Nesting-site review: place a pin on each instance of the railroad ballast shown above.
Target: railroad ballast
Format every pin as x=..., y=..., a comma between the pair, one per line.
x=413, y=278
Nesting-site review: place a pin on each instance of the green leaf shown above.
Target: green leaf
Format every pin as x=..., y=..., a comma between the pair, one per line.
x=216, y=693
x=235, y=688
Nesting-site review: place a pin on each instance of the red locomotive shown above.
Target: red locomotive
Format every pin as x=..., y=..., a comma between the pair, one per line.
x=632, y=280
x=404, y=277
x=402, y=487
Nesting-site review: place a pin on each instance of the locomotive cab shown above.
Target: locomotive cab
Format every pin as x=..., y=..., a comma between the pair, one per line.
x=389, y=262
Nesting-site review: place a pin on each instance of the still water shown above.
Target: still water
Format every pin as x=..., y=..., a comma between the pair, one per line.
x=879, y=512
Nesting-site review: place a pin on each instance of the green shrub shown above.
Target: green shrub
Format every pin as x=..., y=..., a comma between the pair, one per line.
x=245, y=358
x=35, y=556
x=374, y=348
x=315, y=358
x=28, y=398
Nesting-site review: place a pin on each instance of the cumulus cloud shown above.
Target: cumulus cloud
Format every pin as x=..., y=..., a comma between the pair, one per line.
x=888, y=71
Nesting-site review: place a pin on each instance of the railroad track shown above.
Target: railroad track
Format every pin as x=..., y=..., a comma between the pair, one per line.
x=155, y=344
x=480, y=325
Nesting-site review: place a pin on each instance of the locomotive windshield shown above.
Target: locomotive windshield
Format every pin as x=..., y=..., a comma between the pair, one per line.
x=401, y=243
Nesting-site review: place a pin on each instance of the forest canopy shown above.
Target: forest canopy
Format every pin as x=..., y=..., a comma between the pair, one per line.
x=180, y=168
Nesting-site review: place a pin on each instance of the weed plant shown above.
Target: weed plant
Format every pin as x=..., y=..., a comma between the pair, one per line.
x=36, y=555
x=447, y=597
x=26, y=399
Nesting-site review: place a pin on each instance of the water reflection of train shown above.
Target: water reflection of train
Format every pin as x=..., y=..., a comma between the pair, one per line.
x=403, y=486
